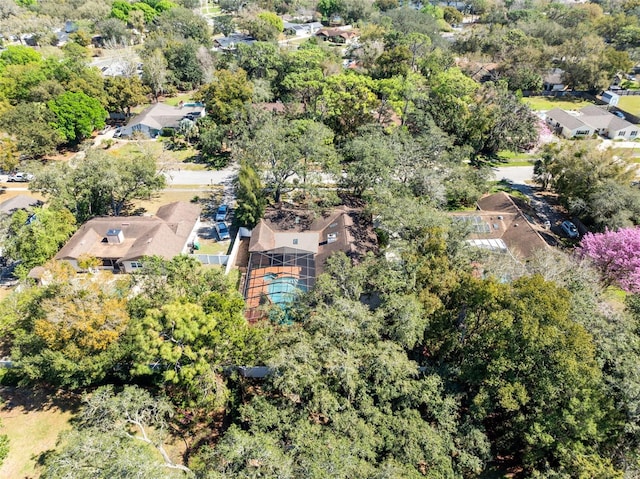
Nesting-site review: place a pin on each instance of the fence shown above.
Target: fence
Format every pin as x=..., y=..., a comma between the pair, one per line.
x=627, y=92
x=220, y=259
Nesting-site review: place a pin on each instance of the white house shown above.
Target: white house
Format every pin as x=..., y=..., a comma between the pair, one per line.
x=589, y=120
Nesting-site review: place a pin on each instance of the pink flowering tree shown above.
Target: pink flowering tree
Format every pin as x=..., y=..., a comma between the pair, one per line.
x=617, y=255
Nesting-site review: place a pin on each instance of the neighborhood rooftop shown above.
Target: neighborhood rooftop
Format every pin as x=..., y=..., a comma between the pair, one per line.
x=119, y=239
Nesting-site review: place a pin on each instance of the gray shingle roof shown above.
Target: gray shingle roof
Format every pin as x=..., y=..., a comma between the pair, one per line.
x=565, y=119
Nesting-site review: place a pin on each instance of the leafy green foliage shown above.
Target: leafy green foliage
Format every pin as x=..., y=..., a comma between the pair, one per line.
x=116, y=436
x=227, y=95
x=187, y=324
x=77, y=115
x=99, y=184
x=36, y=236
x=250, y=197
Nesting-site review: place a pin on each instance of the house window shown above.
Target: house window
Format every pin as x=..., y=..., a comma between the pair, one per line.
x=633, y=133
x=332, y=237
x=136, y=264
x=621, y=133
x=295, y=241
x=582, y=132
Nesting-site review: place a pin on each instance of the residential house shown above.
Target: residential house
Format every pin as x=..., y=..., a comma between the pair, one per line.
x=121, y=242
x=158, y=117
x=589, y=120
x=302, y=29
x=553, y=80
x=342, y=35
x=501, y=226
x=482, y=72
x=288, y=249
x=232, y=41
x=568, y=124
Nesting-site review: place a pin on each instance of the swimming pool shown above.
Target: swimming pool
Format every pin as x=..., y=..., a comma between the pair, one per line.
x=283, y=290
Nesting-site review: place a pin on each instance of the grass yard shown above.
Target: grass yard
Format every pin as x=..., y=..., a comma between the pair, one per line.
x=514, y=158
x=32, y=420
x=544, y=103
x=172, y=159
x=168, y=196
x=209, y=246
x=211, y=10
x=174, y=100
x=630, y=103
x=506, y=187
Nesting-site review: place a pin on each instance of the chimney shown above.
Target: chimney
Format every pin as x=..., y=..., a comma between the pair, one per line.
x=115, y=236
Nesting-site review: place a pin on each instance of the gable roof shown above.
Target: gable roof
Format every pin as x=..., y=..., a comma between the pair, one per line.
x=232, y=40
x=159, y=116
x=164, y=235
x=304, y=233
x=336, y=32
x=566, y=119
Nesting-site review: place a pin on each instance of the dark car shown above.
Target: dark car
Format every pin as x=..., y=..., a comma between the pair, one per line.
x=223, y=231
x=222, y=213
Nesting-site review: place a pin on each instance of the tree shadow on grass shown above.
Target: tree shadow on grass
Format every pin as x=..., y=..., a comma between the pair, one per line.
x=215, y=162
x=23, y=399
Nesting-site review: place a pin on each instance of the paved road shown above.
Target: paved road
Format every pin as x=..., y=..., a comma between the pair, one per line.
x=520, y=175
x=204, y=178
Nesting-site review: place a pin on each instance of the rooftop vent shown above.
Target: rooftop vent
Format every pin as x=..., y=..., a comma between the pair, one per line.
x=115, y=236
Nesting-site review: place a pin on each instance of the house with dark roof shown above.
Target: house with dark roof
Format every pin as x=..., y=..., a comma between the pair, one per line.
x=500, y=225
x=151, y=121
x=340, y=35
x=589, y=120
x=231, y=42
x=121, y=242
x=289, y=247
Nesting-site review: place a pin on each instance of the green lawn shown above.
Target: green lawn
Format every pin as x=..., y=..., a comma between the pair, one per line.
x=212, y=10
x=174, y=100
x=32, y=420
x=543, y=103
x=630, y=104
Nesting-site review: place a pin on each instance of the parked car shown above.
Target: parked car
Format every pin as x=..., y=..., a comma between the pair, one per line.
x=20, y=177
x=619, y=114
x=570, y=229
x=117, y=133
x=222, y=213
x=223, y=231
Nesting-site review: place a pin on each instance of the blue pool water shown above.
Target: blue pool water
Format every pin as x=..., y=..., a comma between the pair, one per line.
x=283, y=290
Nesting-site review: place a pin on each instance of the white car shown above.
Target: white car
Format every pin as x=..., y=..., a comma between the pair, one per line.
x=20, y=177
x=570, y=229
